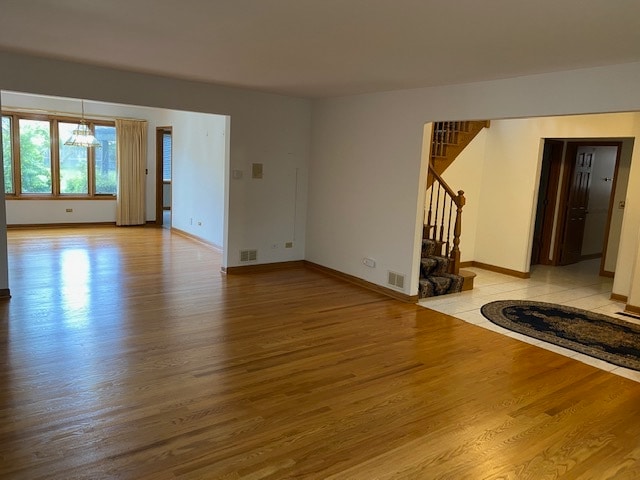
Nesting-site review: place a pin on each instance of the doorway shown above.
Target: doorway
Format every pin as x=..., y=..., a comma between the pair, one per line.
x=575, y=202
x=164, y=141
x=547, y=195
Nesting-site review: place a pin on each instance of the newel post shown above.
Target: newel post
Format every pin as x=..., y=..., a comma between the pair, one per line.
x=457, y=231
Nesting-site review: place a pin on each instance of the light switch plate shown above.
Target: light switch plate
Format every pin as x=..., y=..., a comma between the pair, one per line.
x=256, y=170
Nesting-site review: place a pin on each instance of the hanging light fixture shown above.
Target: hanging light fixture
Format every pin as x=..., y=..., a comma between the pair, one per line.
x=83, y=136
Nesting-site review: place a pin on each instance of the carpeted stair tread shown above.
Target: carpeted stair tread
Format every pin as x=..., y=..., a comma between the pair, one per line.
x=434, y=265
x=443, y=284
x=435, y=278
x=428, y=247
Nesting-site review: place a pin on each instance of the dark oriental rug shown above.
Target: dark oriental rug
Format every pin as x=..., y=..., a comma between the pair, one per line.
x=607, y=338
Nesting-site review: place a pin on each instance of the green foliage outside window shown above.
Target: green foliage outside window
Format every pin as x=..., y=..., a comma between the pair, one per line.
x=7, y=154
x=76, y=165
x=35, y=156
x=105, y=160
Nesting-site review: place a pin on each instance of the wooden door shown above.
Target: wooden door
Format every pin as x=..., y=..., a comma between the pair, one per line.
x=576, y=210
x=547, y=193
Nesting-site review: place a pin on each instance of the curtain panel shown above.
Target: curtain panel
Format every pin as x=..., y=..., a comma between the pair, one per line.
x=131, y=163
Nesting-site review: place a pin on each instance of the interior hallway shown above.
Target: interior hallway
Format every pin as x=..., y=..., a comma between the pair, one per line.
x=577, y=285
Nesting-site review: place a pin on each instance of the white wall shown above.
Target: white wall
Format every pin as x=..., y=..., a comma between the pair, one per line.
x=270, y=129
x=466, y=174
x=365, y=172
x=198, y=172
x=617, y=214
x=600, y=190
x=366, y=184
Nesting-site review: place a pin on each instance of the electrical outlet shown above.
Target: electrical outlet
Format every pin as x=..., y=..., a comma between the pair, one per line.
x=288, y=245
x=369, y=262
x=199, y=224
x=69, y=210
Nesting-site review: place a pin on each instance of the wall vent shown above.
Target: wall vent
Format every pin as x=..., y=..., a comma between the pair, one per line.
x=396, y=279
x=248, y=255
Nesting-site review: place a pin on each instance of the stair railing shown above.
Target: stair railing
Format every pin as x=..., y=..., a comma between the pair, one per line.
x=443, y=218
x=445, y=133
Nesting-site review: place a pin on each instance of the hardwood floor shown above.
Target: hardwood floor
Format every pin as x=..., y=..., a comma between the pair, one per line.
x=127, y=354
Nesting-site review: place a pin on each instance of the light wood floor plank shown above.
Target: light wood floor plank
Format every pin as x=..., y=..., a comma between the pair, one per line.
x=127, y=354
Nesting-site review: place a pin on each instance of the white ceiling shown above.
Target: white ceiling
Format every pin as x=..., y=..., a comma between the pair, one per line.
x=320, y=48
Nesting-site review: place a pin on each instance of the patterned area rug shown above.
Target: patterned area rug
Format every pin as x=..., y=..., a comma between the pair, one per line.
x=609, y=339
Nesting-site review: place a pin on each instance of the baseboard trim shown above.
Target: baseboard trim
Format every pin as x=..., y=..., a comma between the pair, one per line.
x=5, y=294
x=403, y=297
x=26, y=226
x=196, y=238
x=591, y=256
x=467, y=264
x=632, y=309
x=262, y=267
x=606, y=273
x=618, y=298
x=504, y=271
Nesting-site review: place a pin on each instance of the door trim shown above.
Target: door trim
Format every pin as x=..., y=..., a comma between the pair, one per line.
x=556, y=150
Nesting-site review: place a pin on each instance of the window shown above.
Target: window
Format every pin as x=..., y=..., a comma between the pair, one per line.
x=37, y=163
x=7, y=155
x=35, y=156
x=166, y=156
x=74, y=163
x=105, y=161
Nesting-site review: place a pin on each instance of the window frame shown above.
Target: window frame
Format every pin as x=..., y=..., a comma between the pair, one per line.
x=54, y=143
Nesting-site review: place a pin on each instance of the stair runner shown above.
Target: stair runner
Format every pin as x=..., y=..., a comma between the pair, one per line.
x=435, y=278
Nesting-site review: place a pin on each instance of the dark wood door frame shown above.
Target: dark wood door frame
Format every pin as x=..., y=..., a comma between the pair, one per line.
x=547, y=198
x=160, y=131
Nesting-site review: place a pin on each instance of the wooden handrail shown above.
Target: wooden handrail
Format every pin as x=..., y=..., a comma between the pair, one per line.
x=450, y=192
x=439, y=215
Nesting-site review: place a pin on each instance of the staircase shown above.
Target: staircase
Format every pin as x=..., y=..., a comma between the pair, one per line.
x=450, y=138
x=440, y=260
x=435, y=275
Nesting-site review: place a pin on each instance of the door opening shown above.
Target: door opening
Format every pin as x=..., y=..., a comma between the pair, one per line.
x=575, y=199
x=547, y=195
x=590, y=183
x=163, y=175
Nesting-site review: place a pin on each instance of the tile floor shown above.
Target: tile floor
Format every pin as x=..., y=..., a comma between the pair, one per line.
x=575, y=285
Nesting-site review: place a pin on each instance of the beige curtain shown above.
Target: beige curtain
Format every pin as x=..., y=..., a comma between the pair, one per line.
x=132, y=159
